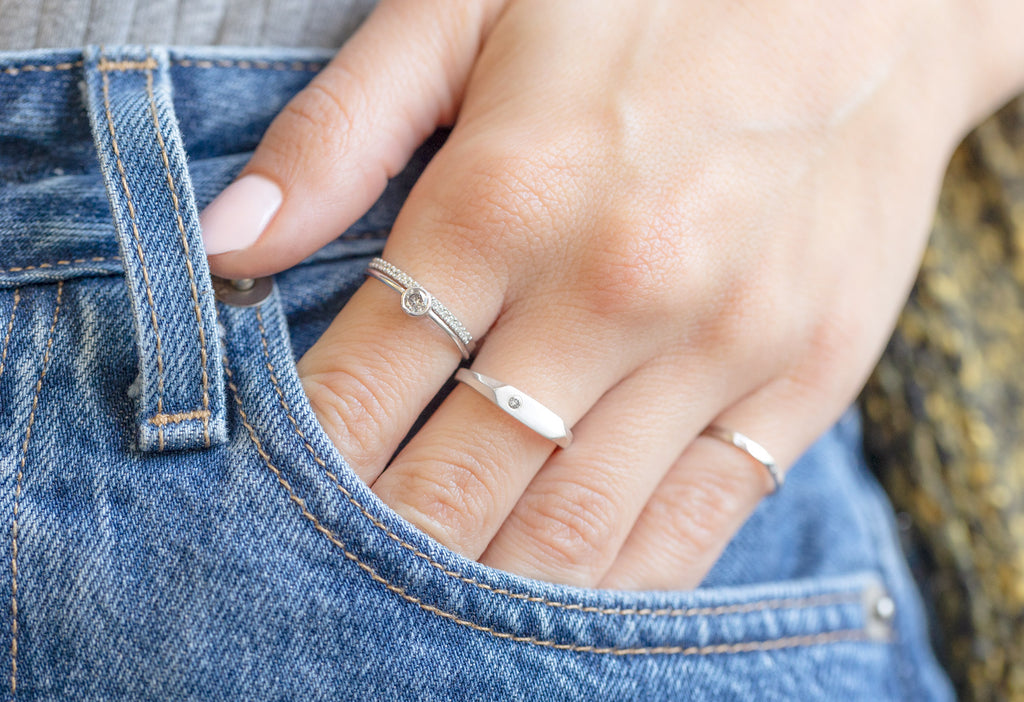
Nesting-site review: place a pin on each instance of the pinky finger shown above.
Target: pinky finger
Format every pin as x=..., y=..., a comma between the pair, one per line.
x=712, y=490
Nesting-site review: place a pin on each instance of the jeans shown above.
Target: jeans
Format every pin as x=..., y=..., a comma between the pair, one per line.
x=180, y=527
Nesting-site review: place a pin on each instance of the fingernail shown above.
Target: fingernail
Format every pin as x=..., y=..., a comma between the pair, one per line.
x=236, y=218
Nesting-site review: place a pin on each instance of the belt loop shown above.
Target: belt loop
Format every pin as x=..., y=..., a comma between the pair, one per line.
x=128, y=94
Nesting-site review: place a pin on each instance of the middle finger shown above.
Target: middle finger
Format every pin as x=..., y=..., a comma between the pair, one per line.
x=463, y=472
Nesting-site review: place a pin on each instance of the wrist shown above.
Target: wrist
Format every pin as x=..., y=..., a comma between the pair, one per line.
x=989, y=35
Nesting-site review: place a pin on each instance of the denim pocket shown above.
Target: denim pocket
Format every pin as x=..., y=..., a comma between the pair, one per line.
x=813, y=628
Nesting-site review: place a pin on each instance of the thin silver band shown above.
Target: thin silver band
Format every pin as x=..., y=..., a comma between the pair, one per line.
x=519, y=406
x=417, y=302
x=750, y=447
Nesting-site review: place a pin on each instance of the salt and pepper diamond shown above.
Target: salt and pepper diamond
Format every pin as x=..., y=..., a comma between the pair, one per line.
x=416, y=301
x=514, y=402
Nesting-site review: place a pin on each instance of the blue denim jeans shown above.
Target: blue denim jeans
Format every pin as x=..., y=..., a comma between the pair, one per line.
x=179, y=526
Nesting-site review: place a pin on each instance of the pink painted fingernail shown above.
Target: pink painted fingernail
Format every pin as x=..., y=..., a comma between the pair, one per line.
x=236, y=218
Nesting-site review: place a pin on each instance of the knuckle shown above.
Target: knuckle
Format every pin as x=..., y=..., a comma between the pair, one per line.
x=320, y=119
x=753, y=319
x=453, y=498
x=696, y=517
x=355, y=412
x=650, y=258
x=503, y=200
x=574, y=525
x=634, y=265
x=836, y=352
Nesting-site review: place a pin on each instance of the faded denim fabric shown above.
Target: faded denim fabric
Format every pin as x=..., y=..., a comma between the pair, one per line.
x=242, y=558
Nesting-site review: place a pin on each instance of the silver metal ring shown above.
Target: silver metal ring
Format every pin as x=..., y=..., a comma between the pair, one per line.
x=750, y=447
x=518, y=405
x=417, y=302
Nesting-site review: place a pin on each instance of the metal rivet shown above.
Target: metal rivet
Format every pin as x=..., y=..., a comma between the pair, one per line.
x=885, y=608
x=879, y=612
x=514, y=402
x=244, y=292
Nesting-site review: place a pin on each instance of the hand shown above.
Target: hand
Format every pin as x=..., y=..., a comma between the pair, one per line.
x=656, y=215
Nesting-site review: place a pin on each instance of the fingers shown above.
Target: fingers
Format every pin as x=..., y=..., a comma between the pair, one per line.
x=463, y=472
x=375, y=369
x=579, y=509
x=329, y=154
x=713, y=488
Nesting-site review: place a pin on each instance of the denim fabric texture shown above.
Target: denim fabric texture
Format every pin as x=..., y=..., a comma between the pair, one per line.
x=234, y=554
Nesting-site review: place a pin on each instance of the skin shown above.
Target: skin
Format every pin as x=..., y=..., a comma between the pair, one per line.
x=656, y=215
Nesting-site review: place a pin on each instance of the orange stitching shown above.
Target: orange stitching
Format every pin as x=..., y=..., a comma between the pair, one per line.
x=783, y=603
x=10, y=327
x=842, y=635
x=17, y=493
x=65, y=262
x=162, y=419
x=105, y=65
x=138, y=248
x=188, y=254
x=15, y=70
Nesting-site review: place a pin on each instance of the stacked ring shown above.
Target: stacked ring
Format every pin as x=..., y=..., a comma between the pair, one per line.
x=417, y=302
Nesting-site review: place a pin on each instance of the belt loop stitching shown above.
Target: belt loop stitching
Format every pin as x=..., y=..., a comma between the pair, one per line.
x=63, y=262
x=184, y=243
x=104, y=67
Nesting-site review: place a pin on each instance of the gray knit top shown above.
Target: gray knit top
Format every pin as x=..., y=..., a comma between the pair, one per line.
x=36, y=24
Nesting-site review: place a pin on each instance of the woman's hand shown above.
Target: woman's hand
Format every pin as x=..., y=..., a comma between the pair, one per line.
x=657, y=215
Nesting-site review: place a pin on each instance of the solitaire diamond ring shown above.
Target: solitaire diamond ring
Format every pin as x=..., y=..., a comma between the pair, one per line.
x=417, y=302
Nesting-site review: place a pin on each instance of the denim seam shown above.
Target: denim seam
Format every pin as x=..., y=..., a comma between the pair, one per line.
x=205, y=415
x=17, y=491
x=784, y=603
x=138, y=245
x=298, y=66
x=63, y=262
x=15, y=70
x=105, y=65
x=838, y=636
x=164, y=419
x=10, y=328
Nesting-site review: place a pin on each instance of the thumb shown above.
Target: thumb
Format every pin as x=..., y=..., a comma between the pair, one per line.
x=330, y=152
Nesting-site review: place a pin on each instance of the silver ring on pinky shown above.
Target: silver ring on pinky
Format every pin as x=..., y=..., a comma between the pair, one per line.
x=750, y=447
x=519, y=406
x=417, y=302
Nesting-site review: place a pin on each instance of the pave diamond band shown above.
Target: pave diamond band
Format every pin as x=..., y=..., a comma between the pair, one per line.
x=519, y=405
x=750, y=447
x=417, y=302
